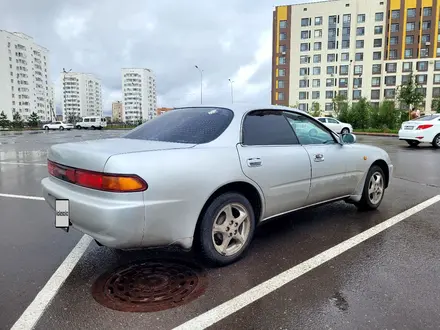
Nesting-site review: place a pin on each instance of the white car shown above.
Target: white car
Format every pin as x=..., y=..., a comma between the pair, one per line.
x=425, y=129
x=93, y=122
x=336, y=125
x=58, y=125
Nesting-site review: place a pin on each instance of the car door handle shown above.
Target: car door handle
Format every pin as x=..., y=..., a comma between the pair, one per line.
x=254, y=162
x=319, y=158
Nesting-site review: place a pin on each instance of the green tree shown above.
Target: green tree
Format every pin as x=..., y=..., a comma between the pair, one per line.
x=316, y=110
x=71, y=117
x=33, y=120
x=339, y=104
x=17, y=121
x=4, y=121
x=360, y=113
x=388, y=115
x=409, y=94
x=435, y=105
x=296, y=106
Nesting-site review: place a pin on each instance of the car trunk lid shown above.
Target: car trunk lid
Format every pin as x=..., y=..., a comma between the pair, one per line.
x=93, y=155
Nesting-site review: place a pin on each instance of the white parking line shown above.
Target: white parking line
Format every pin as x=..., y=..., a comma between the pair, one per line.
x=32, y=314
x=22, y=163
x=22, y=197
x=229, y=307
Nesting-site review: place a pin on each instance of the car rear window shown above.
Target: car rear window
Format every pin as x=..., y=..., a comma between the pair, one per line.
x=185, y=125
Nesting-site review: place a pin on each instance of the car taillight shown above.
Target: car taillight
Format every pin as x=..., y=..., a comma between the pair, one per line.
x=424, y=126
x=97, y=180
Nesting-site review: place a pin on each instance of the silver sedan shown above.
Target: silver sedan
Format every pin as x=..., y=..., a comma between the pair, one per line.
x=204, y=177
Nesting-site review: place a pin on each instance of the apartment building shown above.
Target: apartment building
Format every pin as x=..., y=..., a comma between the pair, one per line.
x=117, y=111
x=24, y=76
x=139, y=90
x=355, y=48
x=82, y=95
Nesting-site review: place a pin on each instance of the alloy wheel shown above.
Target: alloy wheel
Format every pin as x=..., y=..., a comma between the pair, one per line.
x=375, y=188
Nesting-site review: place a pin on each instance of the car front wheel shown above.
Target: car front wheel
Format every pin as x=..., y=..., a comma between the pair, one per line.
x=345, y=131
x=61, y=128
x=374, y=189
x=226, y=229
x=46, y=128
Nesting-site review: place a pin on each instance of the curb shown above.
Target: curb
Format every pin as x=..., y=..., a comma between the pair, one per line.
x=377, y=134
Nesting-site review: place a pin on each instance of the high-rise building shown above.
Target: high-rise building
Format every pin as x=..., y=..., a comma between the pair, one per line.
x=82, y=95
x=117, y=111
x=139, y=90
x=355, y=48
x=24, y=76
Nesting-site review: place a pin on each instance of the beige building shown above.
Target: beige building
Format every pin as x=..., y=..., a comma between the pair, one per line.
x=117, y=111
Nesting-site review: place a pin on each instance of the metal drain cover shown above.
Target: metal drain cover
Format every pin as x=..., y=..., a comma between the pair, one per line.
x=150, y=285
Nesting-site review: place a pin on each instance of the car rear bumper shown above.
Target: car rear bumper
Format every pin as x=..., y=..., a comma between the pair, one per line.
x=415, y=135
x=112, y=222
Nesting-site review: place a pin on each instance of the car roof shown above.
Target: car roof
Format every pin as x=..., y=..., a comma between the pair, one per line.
x=242, y=108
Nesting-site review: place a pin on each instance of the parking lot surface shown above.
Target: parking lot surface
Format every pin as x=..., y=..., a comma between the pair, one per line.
x=387, y=281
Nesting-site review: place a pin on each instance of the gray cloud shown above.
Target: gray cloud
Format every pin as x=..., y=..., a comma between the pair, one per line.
x=169, y=37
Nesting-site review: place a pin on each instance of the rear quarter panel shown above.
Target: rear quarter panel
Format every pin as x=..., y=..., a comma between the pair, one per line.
x=179, y=182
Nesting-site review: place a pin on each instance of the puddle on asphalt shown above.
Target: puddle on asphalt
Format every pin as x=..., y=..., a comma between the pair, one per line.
x=340, y=301
x=28, y=156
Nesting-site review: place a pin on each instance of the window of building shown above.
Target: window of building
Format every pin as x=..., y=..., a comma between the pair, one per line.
x=358, y=69
x=316, y=83
x=436, y=92
x=329, y=94
x=303, y=83
x=282, y=60
x=357, y=94
x=405, y=78
x=407, y=67
x=437, y=65
x=345, y=31
x=331, y=45
x=330, y=82
x=378, y=29
x=283, y=36
x=305, y=47
x=393, y=54
x=345, y=57
x=281, y=72
x=317, y=58
x=391, y=67
x=422, y=66
x=394, y=40
x=375, y=82
x=317, y=46
x=283, y=48
x=377, y=55
x=316, y=95
x=331, y=32
x=318, y=33
x=316, y=70
x=411, y=13
x=357, y=82
x=343, y=93
x=409, y=40
x=361, y=18
x=408, y=53
x=343, y=82
x=305, y=34
x=330, y=70
x=375, y=94
x=421, y=78
x=395, y=14
x=359, y=44
x=303, y=95
x=427, y=11
x=343, y=69
x=345, y=44
x=395, y=27
x=410, y=26
x=305, y=21
x=389, y=93
x=377, y=43
x=266, y=128
x=328, y=106
x=281, y=84
x=283, y=24
x=426, y=25
x=378, y=17
x=318, y=20
x=346, y=18
x=438, y=52
x=424, y=52
x=304, y=59
x=360, y=31
x=332, y=19
x=331, y=57
x=390, y=80
x=359, y=56
x=422, y=90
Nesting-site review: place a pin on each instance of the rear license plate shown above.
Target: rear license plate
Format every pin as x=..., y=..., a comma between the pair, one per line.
x=62, y=213
x=409, y=127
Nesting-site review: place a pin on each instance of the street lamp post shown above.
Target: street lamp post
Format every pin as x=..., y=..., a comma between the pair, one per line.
x=201, y=84
x=232, y=90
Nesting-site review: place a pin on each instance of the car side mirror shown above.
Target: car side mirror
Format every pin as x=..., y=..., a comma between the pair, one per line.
x=348, y=138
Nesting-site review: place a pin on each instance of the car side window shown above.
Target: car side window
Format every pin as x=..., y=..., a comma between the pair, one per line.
x=332, y=121
x=86, y=120
x=308, y=130
x=267, y=127
x=92, y=119
x=322, y=120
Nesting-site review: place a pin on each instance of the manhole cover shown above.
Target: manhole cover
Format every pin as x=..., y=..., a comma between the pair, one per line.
x=150, y=285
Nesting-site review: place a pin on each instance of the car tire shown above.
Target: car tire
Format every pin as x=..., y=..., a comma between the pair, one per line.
x=61, y=128
x=368, y=200
x=345, y=130
x=93, y=127
x=238, y=235
x=436, y=141
x=78, y=127
x=413, y=143
x=46, y=128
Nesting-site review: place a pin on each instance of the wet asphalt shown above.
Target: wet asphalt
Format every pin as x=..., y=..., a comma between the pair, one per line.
x=387, y=282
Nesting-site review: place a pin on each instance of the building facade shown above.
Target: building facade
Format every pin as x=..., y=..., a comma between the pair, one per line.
x=82, y=95
x=117, y=111
x=24, y=76
x=139, y=91
x=354, y=48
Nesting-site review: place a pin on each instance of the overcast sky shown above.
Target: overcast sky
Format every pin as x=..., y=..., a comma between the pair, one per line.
x=226, y=38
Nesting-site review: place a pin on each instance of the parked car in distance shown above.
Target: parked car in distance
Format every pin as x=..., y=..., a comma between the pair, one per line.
x=93, y=122
x=204, y=177
x=425, y=129
x=58, y=125
x=336, y=125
